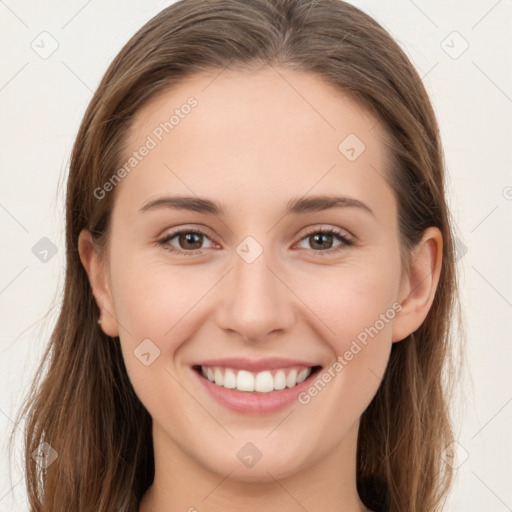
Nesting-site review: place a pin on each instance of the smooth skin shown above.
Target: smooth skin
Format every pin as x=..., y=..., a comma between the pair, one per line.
x=256, y=140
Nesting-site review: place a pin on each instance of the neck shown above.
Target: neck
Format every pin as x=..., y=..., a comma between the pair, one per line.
x=182, y=484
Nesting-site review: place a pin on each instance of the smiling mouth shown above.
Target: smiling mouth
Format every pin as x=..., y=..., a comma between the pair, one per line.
x=265, y=381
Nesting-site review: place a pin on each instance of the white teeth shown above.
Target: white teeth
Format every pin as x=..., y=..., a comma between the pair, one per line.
x=279, y=380
x=229, y=379
x=300, y=378
x=262, y=382
x=219, y=378
x=291, y=379
x=245, y=381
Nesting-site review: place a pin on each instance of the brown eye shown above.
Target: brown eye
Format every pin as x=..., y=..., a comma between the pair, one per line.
x=191, y=241
x=188, y=242
x=326, y=241
x=321, y=241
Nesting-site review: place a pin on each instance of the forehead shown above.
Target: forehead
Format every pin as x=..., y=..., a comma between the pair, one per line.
x=246, y=132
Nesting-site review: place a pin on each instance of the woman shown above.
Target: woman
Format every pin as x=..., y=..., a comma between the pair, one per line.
x=260, y=275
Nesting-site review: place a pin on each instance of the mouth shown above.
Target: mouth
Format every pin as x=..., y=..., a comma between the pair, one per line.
x=255, y=383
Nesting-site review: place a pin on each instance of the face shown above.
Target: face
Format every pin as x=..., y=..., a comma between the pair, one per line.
x=261, y=272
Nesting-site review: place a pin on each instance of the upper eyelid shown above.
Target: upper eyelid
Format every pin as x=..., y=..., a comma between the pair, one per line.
x=338, y=230
x=309, y=230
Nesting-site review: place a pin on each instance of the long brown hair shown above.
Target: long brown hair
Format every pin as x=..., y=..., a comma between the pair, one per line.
x=82, y=402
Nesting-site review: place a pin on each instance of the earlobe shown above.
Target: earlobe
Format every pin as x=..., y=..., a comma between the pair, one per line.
x=96, y=269
x=419, y=287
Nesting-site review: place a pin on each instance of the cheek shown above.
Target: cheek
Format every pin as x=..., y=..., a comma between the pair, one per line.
x=152, y=299
x=354, y=299
x=158, y=302
x=360, y=343
x=357, y=306
x=155, y=302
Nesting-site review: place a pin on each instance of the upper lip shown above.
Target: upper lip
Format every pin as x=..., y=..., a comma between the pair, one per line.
x=254, y=365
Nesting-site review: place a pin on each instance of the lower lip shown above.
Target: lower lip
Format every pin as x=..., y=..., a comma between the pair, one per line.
x=253, y=402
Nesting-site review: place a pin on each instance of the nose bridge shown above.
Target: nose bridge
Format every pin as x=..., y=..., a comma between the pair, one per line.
x=258, y=301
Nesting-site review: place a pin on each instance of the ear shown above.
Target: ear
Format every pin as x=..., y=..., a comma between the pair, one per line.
x=97, y=272
x=419, y=284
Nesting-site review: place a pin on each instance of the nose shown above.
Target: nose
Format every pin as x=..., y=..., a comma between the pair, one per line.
x=258, y=303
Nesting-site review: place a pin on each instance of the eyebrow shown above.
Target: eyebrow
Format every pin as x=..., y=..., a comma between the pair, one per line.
x=297, y=206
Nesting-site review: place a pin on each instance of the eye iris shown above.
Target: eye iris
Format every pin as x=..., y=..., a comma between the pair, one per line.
x=318, y=238
x=195, y=239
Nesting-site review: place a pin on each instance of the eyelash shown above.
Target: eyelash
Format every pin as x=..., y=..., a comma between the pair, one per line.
x=346, y=242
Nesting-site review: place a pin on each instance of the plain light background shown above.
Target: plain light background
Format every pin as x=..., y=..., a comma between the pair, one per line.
x=461, y=50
